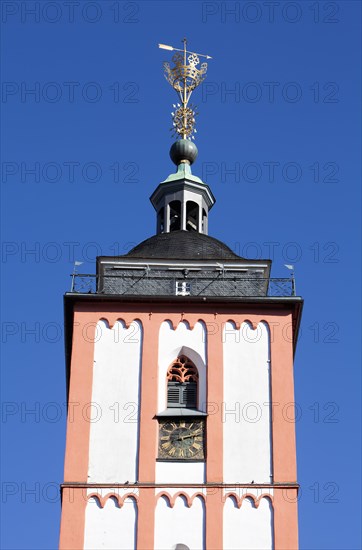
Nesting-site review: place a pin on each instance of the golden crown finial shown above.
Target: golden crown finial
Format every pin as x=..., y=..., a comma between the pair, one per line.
x=184, y=77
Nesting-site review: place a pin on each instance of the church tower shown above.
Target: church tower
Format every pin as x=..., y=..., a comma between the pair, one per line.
x=180, y=430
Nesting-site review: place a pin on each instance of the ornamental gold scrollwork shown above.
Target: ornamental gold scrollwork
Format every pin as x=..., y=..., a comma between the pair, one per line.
x=184, y=76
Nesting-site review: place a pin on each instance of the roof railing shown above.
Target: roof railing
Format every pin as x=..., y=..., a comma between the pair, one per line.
x=243, y=286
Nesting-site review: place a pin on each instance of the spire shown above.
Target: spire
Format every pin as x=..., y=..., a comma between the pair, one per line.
x=183, y=201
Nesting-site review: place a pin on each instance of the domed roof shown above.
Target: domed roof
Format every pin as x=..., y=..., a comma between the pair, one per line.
x=185, y=245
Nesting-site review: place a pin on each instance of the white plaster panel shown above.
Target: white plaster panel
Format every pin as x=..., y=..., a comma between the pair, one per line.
x=112, y=527
x=180, y=524
x=248, y=527
x=173, y=343
x=246, y=407
x=169, y=472
x=113, y=451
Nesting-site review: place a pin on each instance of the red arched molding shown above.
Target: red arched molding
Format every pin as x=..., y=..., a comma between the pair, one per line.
x=239, y=500
x=175, y=321
x=112, y=320
x=120, y=499
x=171, y=499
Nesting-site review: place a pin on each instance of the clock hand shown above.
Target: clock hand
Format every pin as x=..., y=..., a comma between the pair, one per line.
x=193, y=434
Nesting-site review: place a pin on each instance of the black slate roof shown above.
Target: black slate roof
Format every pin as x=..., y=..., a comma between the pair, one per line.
x=185, y=245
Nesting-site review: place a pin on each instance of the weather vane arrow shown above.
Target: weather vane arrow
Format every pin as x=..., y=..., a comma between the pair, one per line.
x=184, y=77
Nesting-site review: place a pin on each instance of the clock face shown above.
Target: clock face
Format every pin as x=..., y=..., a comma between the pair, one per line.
x=182, y=439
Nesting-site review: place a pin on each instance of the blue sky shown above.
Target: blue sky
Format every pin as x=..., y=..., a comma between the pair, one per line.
x=278, y=139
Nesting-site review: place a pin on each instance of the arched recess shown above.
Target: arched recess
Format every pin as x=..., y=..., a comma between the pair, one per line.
x=174, y=343
x=175, y=215
x=113, y=527
x=192, y=216
x=114, y=426
x=180, y=524
x=250, y=527
x=161, y=220
x=247, y=403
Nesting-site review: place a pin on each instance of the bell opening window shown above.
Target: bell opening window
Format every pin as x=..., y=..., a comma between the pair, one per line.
x=183, y=288
x=192, y=216
x=175, y=215
x=182, y=384
x=161, y=220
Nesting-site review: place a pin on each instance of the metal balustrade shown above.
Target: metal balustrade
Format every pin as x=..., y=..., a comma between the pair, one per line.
x=147, y=285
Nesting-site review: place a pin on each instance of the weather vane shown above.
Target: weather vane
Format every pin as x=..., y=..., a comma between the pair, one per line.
x=184, y=77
